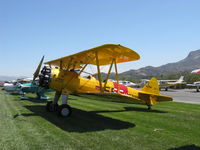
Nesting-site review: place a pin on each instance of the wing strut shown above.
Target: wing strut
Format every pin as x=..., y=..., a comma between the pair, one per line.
x=83, y=69
x=74, y=76
x=69, y=64
x=61, y=64
x=108, y=75
x=117, y=79
x=74, y=65
x=99, y=72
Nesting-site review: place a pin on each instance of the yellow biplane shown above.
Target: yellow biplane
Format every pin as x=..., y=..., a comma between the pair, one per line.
x=60, y=75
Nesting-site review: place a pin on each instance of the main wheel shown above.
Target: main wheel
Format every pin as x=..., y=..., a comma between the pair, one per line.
x=50, y=107
x=65, y=110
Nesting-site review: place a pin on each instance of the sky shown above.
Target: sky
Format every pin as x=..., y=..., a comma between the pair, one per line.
x=160, y=31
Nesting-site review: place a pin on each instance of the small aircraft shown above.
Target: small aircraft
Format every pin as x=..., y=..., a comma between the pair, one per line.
x=169, y=83
x=195, y=84
x=196, y=71
x=33, y=86
x=60, y=76
x=27, y=85
x=13, y=86
x=2, y=83
x=129, y=83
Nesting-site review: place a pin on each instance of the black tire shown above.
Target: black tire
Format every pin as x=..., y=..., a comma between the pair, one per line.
x=50, y=107
x=149, y=107
x=65, y=110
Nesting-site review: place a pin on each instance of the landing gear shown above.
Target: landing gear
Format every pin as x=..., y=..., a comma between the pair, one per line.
x=50, y=107
x=197, y=89
x=149, y=107
x=64, y=110
x=23, y=97
x=42, y=96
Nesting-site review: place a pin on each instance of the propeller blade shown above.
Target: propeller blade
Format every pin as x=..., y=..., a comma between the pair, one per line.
x=35, y=75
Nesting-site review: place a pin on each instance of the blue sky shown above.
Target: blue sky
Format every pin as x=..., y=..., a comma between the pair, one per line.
x=160, y=31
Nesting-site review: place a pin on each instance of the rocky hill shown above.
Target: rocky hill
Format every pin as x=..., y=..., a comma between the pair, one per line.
x=10, y=78
x=191, y=62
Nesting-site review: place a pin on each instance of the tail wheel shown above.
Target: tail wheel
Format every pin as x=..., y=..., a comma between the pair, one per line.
x=149, y=107
x=65, y=110
x=50, y=107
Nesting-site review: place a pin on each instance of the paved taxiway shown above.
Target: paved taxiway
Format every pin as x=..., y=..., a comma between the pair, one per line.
x=183, y=95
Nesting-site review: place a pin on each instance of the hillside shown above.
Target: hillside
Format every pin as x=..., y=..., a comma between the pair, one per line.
x=10, y=78
x=191, y=62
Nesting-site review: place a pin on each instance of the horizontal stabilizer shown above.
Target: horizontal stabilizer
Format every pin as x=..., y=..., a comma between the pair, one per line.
x=162, y=98
x=151, y=93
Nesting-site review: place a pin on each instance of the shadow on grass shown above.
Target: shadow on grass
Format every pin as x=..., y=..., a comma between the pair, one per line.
x=36, y=100
x=187, y=147
x=79, y=121
x=131, y=109
x=118, y=100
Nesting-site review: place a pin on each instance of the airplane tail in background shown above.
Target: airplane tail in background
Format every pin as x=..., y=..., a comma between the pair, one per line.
x=180, y=80
x=151, y=93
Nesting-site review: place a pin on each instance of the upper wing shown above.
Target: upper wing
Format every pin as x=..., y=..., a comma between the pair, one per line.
x=106, y=53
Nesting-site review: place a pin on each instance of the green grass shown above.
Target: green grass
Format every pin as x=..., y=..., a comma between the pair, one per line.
x=97, y=125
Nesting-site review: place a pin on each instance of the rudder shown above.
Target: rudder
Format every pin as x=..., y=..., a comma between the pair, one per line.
x=152, y=87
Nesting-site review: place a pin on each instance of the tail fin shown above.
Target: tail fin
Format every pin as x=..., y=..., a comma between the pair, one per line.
x=180, y=79
x=151, y=93
x=152, y=87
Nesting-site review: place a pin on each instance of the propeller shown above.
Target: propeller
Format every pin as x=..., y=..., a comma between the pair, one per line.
x=35, y=75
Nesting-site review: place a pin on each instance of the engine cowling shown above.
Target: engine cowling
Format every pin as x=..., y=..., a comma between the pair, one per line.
x=45, y=77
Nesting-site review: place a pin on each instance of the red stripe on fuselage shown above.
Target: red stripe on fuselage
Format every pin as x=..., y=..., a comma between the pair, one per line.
x=123, y=88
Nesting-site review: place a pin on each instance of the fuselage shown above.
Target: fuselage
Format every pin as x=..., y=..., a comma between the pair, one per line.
x=72, y=82
x=11, y=87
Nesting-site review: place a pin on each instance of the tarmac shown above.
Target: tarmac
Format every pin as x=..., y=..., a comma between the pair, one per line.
x=183, y=95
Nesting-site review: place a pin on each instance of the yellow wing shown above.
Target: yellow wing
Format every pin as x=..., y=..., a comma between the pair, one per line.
x=106, y=53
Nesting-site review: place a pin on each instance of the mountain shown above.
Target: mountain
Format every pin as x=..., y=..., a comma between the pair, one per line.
x=191, y=62
x=10, y=78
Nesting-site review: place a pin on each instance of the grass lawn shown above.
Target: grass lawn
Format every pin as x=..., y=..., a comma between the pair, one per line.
x=97, y=125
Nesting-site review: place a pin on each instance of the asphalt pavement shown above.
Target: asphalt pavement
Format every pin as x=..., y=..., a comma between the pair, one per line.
x=183, y=95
